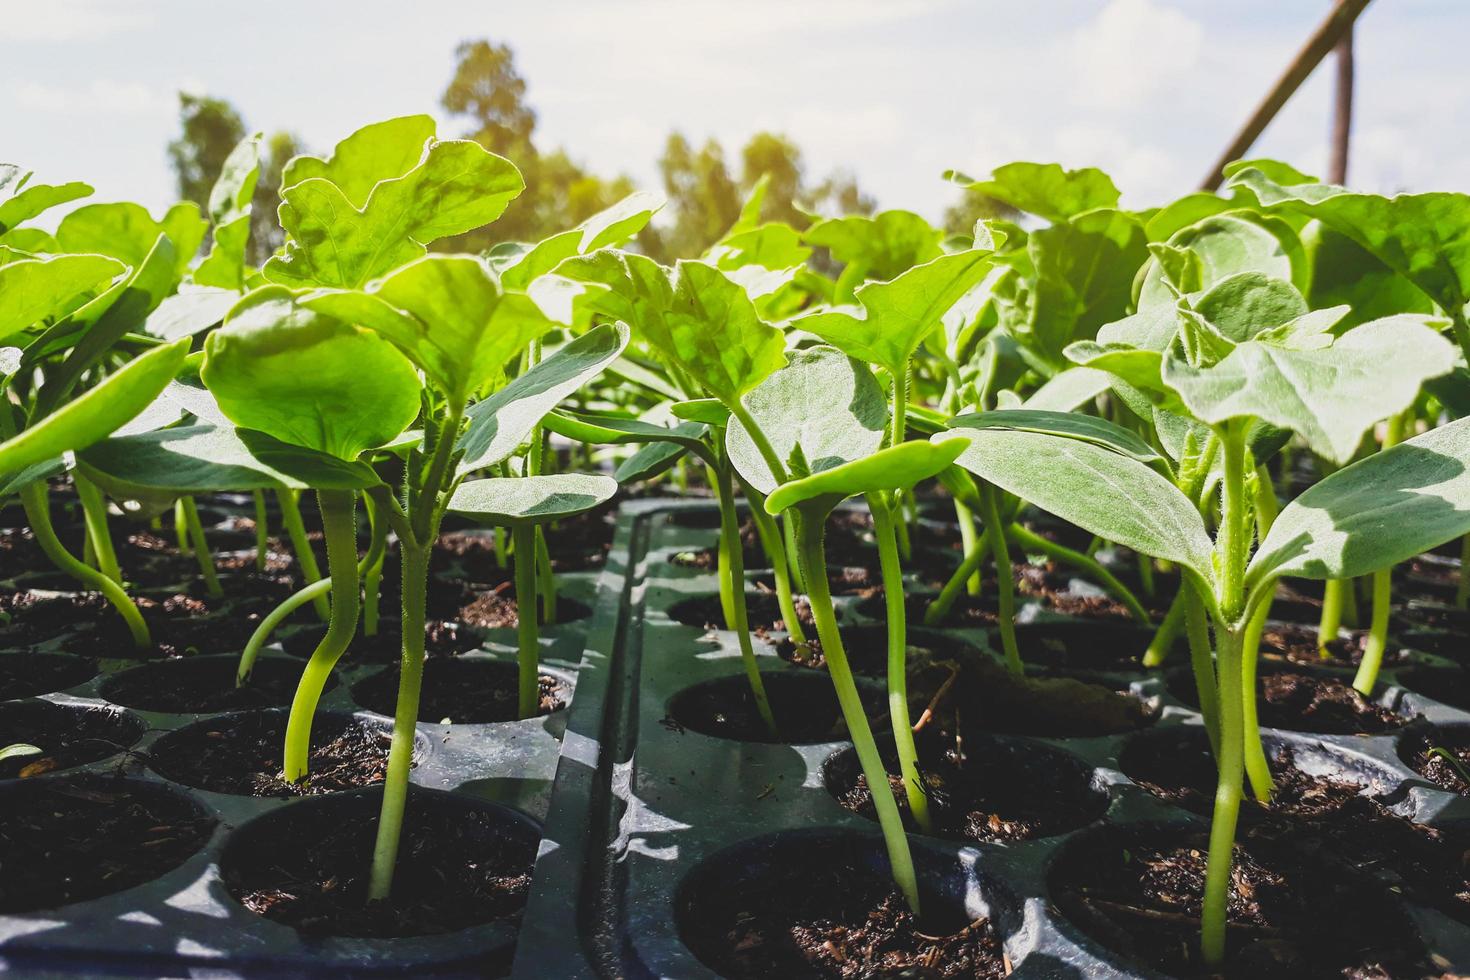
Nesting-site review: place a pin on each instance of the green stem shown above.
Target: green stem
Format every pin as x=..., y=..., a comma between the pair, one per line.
x=201, y=547
x=969, y=568
x=546, y=581
x=1257, y=766
x=811, y=554
x=181, y=528
x=898, y=696
x=34, y=498
x=1201, y=661
x=1094, y=569
x=94, y=513
x=415, y=559
x=372, y=572
x=774, y=545
x=1234, y=534
x=262, y=530
x=969, y=541
x=1162, y=643
x=1004, y=577
x=301, y=546
x=1372, y=661
x=722, y=557
x=788, y=533
x=1327, y=626
x=732, y=576
x=272, y=621
x=1462, y=590
x=1146, y=574
x=523, y=537
x=1228, y=793
x=339, y=523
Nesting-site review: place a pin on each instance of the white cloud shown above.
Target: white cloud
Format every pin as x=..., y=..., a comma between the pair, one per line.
x=1132, y=50
x=72, y=20
x=100, y=96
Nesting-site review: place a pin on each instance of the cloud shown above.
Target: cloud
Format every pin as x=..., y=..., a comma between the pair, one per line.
x=102, y=95
x=1132, y=50
x=51, y=21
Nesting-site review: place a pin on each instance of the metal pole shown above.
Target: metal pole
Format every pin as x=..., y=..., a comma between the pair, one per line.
x=1323, y=40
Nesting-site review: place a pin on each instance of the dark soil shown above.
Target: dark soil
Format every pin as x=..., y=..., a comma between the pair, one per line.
x=67, y=736
x=24, y=675
x=1081, y=646
x=1179, y=768
x=841, y=579
x=804, y=705
x=823, y=915
x=441, y=639
x=707, y=559
x=241, y=755
x=70, y=839
x=994, y=700
x=1140, y=894
x=461, y=692
x=458, y=866
x=1417, y=750
x=762, y=611
x=968, y=611
x=1437, y=615
x=1298, y=644
x=867, y=650
x=1450, y=685
x=497, y=609
x=203, y=685
x=1302, y=702
x=979, y=789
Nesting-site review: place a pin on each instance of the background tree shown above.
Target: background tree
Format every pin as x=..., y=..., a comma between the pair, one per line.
x=960, y=217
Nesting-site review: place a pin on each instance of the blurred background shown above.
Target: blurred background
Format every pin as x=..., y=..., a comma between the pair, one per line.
x=848, y=105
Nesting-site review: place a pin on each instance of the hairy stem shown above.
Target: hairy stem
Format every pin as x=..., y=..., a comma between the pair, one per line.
x=202, y=553
x=35, y=498
x=94, y=513
x=523, y=538
x=1162, y=643
x=1228, y=791
x=1005, y=578
x=813, y=558
x=339, y=523
x=732, y=576
x=1201, y=661
x=773, y=543
x=898, y=697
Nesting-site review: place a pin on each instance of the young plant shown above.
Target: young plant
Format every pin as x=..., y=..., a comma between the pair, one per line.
x=1261, y=357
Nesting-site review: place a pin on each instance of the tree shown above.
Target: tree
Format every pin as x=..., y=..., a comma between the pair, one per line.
x=960, y=217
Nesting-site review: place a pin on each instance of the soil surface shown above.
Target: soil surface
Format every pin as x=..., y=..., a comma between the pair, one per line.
x=825, y=917
x=461, y=692
x=1298, y=644
x=867, y=650
x=994, y=700
x=241, y=755
x=498, y=609
x=67, y=736
x=1302, y=702
x=980, y=791
x=968, y=611
x=804, y=706
x=204, y=684
x=24, y=675
x=441, y=639
x=762, y=612
x=1424, y=753
x=1140, y=895
x=68, y=839
x=457, y=867
x=1081, y=646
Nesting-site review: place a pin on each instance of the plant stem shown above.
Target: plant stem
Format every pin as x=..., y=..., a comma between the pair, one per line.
x=1462, y=590
x=272, y=620
x=415, y=559
x=1227, y=802
x=1030, y=541
x=898, y=697
x=1234, y=534
x=1372, y=660
x=774, y=545
x=262, y=530
x=201, y=547
x=1201, y=661
x=339, y=523
x=372, y=572
x=181, y=528
x=969, y=540
x=546, y=581
x=523, y=537
x=812, y=556
x=788, y=534
x=1257, y=766
x=969, y=568
x=94, y=513
x=1331, y=619
x=1146, y=574
x=1162, y=644
x=732, y=578
x=35, y=499
x=305, y=557
x=1005, y=578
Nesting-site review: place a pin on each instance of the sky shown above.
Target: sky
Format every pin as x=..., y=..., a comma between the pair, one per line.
x=895, y=91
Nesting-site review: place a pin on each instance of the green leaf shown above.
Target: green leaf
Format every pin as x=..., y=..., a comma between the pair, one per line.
x=1102, y=491
x=609, y=227
x=1069, y=390
x=883, y=245
x=1346, y=274
x=897, y=315
x=32, y=290
x=126, y=231
x=376, y=152
x=21, y=200
x=459, y=186
x=894, y=468
x=96, y=413
x=448, y=314
x=1228, y=244
x=821, y=410
x=190, y=311
x=204, y=458
x=1375, y=513
x=1044, y=189
x=308, y=379
x=619, y=430
x=229, y=211
x=508, y=501
x=19, y=750
x=710, y=411
x=1423, y=237
x=1328, y=396
x=1070, y=425
x=500, y=423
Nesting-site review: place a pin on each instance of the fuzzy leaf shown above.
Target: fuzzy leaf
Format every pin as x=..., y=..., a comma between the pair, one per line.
x=894, y=468
x=128, y=232
x=1045, y=189
x=32, y=290
x=507, y=501
x=883, y=245
x=1070, y=425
